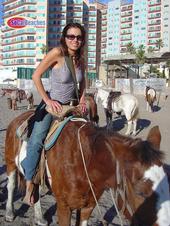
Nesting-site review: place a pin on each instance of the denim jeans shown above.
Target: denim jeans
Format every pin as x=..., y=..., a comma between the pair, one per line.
x=35, y=143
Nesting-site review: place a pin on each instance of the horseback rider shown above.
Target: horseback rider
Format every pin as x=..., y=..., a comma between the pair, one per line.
x=62, y=92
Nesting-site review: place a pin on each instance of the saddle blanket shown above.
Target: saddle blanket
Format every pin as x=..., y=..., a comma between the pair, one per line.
x=51, y=138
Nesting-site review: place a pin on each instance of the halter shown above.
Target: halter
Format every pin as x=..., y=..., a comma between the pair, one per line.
x=122, y=191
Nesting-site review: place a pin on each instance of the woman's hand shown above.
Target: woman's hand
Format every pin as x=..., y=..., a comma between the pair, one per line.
x=83, y=106
x=54, y=105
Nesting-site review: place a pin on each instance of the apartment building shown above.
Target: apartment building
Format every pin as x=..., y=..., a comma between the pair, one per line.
x=25, y=46
x=62, y=12
x=0, y=48
x=104, y=23
x=139, y=22
x=94, y=34
x=23, y=32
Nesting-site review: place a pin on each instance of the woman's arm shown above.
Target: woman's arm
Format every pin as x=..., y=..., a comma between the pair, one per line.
x=48, y=60
x=82, y=93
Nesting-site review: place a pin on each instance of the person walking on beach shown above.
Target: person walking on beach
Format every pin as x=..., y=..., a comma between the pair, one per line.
x=61, y=93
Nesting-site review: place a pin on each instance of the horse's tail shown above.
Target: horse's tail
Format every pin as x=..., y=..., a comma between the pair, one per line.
x=21, y=181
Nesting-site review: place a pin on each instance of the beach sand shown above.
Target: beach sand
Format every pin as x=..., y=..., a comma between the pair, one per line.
x=24, y=214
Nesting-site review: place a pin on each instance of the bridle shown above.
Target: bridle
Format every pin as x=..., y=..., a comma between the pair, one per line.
x=122, y=191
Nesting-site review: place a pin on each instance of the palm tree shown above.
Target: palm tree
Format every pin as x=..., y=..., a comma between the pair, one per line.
x=150, y=50
x=159, y=44
x=130, y=48
x=140, y=56
x=44, y=49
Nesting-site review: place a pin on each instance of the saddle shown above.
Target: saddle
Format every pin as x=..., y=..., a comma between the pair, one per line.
x=60, y=120
x=67, y=110
x=111, y=98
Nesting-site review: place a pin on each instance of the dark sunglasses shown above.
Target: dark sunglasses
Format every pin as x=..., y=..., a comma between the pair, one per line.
x=72, y=37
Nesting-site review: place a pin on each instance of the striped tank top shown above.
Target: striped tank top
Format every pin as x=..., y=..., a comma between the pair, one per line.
x=62, y=85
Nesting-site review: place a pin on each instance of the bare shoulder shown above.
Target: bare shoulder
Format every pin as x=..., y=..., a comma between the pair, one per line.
x=56, y=52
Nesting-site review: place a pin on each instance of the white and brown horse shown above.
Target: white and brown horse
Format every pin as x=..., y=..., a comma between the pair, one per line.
x=85, y=161
x=18, y=95
x=113, y=101
x=150, y=96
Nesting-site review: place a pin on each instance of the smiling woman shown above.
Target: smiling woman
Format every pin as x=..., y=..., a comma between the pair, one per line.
x=63, y=92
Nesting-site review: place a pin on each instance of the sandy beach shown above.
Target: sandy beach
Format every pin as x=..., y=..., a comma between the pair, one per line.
x=24, y=215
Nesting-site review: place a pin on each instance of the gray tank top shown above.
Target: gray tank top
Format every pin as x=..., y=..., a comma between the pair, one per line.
x=62, y=85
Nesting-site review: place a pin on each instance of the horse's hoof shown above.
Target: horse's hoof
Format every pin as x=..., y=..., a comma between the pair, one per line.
x=40, y=222
x=9, y=217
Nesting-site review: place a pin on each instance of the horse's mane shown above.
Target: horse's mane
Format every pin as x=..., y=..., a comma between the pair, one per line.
x=112, y=96
x=146, y=153
x=141, y=149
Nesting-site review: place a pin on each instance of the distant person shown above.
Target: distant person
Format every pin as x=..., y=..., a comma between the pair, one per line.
x=62, y=92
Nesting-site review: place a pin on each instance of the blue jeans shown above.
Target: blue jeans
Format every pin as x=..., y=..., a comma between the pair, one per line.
x=35, y=143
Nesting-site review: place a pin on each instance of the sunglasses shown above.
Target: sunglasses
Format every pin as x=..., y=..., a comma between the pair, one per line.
x=72, y=37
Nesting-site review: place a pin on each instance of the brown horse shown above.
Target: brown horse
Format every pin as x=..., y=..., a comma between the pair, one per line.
x=18, y=95
x=86, y=160
x=92, y=108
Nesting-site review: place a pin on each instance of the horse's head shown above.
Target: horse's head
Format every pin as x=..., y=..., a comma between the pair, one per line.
x=147, y=187
x=103, y=96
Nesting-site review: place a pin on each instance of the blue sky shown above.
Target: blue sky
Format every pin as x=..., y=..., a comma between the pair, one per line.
x=102, y=1
x=0, y=11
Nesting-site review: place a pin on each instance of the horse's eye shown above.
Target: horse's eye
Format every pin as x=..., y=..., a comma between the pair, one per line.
x=143, y=188
x=142, y=194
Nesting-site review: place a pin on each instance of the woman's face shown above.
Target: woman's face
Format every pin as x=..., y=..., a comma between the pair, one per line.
x=73, y=39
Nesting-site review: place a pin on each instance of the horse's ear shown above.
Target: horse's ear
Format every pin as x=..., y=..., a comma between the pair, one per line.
x=154, y=137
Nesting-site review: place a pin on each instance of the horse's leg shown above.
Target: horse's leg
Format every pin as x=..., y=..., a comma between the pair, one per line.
x=147, y=106
x=63, y=213
x=152, y=108
x=29, y=106
x=134, y=127
x=85, y=214
x=129, y=126
x=38, y=216
x=14, y=104
x=9, y=216
x=108, y=118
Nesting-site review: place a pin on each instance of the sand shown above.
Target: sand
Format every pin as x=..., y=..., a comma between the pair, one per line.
x=24, y=215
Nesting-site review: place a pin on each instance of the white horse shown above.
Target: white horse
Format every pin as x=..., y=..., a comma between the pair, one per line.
x=117, y=102
x=150, y=95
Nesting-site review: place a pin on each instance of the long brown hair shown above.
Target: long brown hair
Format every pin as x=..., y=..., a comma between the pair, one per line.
x=79, y=56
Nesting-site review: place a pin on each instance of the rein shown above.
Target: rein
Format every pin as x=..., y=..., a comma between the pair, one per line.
x=87, y=175
x=122, y=192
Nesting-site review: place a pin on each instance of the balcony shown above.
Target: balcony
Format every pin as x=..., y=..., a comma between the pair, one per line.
x=16, y=5
x=5, y=2
x=15, y=42
x=126, y=8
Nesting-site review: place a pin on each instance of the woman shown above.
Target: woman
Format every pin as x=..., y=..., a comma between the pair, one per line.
x=62, y=92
